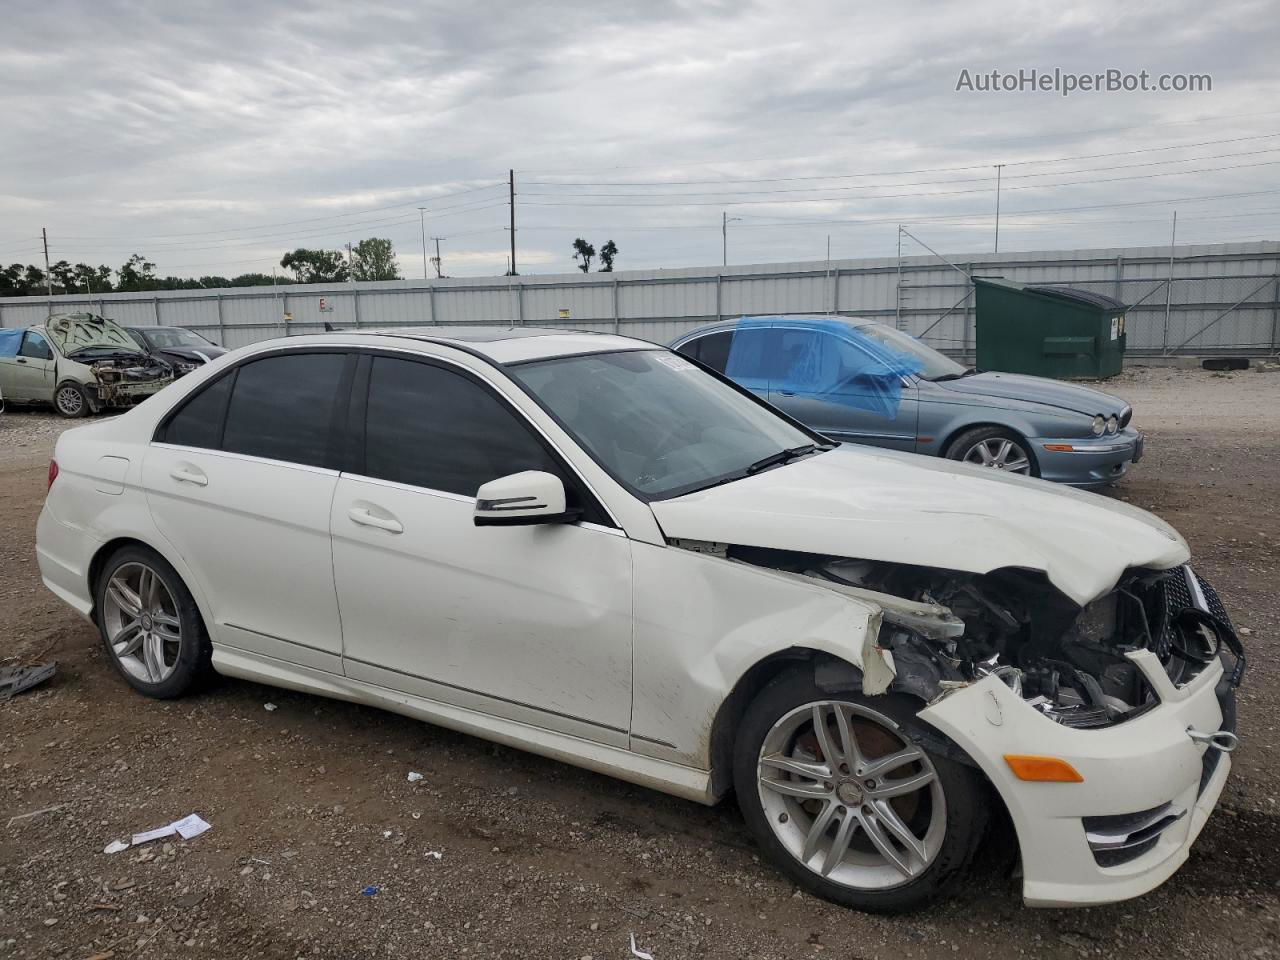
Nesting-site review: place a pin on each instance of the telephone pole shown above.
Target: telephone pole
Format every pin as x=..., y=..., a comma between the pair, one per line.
x=422, y=222
x=511, y=199
x=725, y=220
x=999, y=169
x=48, y=278
x=436, y=259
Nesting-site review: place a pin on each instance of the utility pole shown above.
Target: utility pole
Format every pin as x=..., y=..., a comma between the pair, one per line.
x=999, y=169
x=422, y=222
x=48, y=278
x=436, y=258
x=511, y=199
x=725, y=220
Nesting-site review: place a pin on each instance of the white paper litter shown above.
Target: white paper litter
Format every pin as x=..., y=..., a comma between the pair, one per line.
x=188, y=827
x=639, y=953
x=435, y=854
x=115, y=846
x=268, y=707
x=414, y=776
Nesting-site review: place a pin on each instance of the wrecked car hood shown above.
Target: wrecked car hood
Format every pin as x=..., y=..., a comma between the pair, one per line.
x=905, y=508
x=1053, y=393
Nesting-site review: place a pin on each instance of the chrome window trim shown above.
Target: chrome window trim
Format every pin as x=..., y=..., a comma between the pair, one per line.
x=248, y=457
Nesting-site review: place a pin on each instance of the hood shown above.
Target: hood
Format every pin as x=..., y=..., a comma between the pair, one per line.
x=191, y=354
x=1053, y=393
x=906, y=508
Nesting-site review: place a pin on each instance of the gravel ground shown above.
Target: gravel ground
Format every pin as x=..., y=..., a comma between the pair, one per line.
x=310, y=803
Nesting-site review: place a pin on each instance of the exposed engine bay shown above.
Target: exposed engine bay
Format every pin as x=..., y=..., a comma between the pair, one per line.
x=115, y=372
x=948, y=628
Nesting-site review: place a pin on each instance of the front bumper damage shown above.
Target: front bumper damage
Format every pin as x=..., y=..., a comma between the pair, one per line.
x=1148, y=787
x=120, y=385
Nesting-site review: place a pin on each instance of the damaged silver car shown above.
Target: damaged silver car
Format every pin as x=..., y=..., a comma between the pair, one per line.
x=80, y=363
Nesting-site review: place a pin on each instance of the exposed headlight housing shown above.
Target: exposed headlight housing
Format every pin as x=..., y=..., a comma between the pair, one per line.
x=1113, y=424
x=1099, y=425
x=186, y=367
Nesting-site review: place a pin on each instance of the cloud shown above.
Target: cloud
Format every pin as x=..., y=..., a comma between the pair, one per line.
x=207, y=134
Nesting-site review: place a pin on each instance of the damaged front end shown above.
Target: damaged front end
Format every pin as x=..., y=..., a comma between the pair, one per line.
x=123, y=381
x=944, y=630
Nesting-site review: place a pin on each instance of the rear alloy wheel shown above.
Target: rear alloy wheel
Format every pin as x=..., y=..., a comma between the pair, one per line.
x=994, y=447
x=846, y=803
x=149, y=624
x=70, y=400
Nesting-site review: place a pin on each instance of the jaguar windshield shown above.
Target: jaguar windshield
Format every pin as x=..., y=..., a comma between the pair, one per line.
x=659, y=424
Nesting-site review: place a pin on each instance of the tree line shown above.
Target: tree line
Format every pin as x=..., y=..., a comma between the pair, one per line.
x=371, y=259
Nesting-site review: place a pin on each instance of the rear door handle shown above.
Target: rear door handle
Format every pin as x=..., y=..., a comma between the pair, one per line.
x=366, y=518
x=188, y=474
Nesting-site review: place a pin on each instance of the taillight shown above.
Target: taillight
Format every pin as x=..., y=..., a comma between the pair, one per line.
x=53, y=472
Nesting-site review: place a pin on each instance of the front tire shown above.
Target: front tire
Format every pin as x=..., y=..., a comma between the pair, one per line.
x=996, y=447
x=71, y=401
x=846, y=804
x=150, y=625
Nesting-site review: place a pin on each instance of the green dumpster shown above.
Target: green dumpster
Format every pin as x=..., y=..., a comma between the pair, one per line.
x=1047, y=331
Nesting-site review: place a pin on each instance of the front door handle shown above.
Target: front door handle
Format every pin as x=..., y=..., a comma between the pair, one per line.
x=366, y=518
x=189, y=474
x=787, y=393
x=20, y=360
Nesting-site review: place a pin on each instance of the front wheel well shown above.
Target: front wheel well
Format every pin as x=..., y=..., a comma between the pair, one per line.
x=955, y=434
x=728, y=717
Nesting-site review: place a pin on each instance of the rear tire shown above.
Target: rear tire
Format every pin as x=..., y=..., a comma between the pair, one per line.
x=71, y=401
x=937, y=805
x=996, y=447
x=150, y=625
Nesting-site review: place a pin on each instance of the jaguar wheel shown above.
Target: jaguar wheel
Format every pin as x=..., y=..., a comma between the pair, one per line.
x=994, y=447
x=847, y=804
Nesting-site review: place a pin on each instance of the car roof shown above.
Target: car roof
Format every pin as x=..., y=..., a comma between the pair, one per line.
x=800, y=319
x=499, y=344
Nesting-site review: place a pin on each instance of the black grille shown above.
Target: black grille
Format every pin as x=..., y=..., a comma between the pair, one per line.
x=1114, y=858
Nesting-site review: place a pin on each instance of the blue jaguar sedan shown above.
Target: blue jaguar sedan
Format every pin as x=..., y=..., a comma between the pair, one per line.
x=865, y=382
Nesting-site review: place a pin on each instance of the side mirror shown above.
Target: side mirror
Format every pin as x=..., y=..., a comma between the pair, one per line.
x=521, y=499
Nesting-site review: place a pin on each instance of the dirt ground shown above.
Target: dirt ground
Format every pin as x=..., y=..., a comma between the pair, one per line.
x=310, y=802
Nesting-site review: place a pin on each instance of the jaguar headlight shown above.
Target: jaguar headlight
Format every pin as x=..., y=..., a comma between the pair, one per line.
x=1113, y=424
x=1099, y=425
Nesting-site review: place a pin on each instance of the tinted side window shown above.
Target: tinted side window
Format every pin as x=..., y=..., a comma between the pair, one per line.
x=713, y=350
x=199, y=422
x=433, y=428
x=281, y=407
x=35, y=346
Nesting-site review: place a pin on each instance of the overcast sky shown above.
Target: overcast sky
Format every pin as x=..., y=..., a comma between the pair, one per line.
x=213, y=137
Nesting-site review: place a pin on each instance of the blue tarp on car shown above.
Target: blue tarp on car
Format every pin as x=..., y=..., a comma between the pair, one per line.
x=827, y=359
x=10, y=342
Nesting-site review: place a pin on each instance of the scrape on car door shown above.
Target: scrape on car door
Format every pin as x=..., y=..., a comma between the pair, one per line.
x=531, y=623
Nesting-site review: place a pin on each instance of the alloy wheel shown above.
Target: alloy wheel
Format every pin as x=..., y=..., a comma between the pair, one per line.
x=1000, y=453
x=70, y=401
x=144, y=630
x=850, y=797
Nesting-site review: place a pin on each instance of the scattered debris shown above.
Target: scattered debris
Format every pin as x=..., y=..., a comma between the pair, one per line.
x=414, y=776
x=15, y=679
x=639, y=953
x=435, y=854
x=269, y=707
x=368, y=891
x=35, y=813
x=188, y=828
x=105, y=906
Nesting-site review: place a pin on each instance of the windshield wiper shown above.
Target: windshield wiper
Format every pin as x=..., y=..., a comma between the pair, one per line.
x=782, y=456
x=968, y=372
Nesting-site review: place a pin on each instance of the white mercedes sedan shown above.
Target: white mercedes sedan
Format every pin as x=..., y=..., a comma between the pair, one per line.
x=598, y=550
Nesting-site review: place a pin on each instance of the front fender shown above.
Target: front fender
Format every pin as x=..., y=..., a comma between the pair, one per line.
x=701, y=622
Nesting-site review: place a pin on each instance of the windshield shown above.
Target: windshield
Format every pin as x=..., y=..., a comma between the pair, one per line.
x=659, y=424
x=932, y=363
x=80, y=332
x=161, y=337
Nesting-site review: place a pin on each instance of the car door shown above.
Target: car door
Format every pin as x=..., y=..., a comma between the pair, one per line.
x=831, y=384
x=531, y=623
x=240, y=480
x=29, y=374
x=742, y=355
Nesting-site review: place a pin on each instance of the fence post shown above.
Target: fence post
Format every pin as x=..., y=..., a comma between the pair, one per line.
x=617, y=320
x=1119, y=292
x=1275, y=317
x=222, y=329
x=971, y=322
x=155, y=307
x=355, y=303
x=835, y=291
x=719, y=315
x=431, y=303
